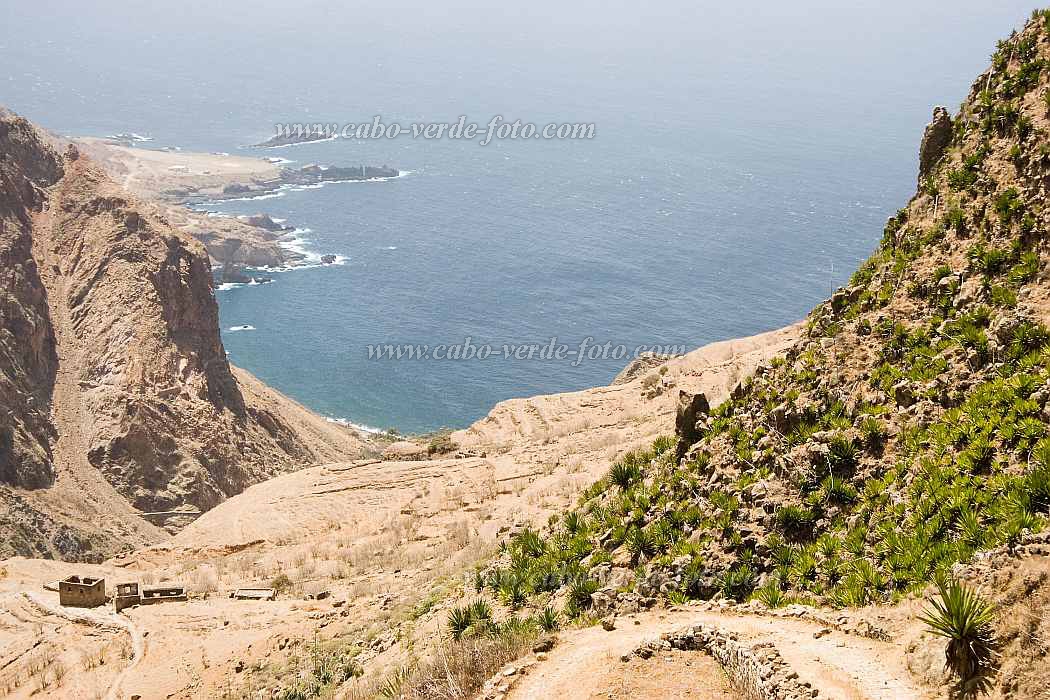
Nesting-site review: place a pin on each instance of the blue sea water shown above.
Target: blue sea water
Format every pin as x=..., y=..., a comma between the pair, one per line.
x=745, y=159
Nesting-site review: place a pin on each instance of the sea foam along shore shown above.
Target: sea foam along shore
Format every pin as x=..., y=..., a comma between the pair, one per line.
x=294, y=241
x=282, y=190
x=356, y=426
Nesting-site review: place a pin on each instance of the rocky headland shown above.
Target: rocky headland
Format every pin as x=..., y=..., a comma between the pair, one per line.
x=308, y=175
x=174, y=179
x=119, y=396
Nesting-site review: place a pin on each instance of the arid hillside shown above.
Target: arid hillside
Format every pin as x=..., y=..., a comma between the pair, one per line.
x=386, y=544
x=119, y=396
x=904, y=434
x=765, y=518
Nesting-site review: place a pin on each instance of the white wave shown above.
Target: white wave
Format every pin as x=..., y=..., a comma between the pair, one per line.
x=389, y=247
x=253, y=198
x=132, y=136
x=245, y=327
x=300, y=143
x=279, y=161
x=227, y=286
x=356, y=426
x=282, y=190
x=294, y=242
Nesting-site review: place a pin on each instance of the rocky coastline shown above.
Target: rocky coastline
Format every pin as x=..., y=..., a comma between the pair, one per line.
x=181, y=181
x=311, y=174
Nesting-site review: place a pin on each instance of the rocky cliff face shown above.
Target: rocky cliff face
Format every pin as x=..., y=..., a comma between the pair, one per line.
x=27, y=347
x=111, y=362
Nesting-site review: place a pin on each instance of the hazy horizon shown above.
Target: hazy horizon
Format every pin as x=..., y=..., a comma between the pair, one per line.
x=744, y=163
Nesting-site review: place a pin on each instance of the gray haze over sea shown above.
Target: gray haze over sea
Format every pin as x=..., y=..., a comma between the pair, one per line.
x=745, y=159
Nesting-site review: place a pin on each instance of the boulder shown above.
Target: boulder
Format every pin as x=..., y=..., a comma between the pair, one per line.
x=543, y=644
x=903, y=394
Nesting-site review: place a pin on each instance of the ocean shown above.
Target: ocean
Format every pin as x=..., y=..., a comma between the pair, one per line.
x=744, y=161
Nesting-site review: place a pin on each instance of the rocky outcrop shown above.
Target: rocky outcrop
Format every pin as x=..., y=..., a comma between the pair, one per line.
x=111, y=362
x=639, y=366
x=230, y=238
x=690, y=407
x=936, y=138
x=312, y=174
x=27, y=343
x=293, y=137
x=264, y=221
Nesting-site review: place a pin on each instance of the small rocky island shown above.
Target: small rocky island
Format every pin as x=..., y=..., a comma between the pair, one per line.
x=294, y=137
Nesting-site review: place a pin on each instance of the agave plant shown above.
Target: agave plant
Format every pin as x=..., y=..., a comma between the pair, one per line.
x=640, y=543
x=851, y=592
x=664, y=443
x=548, y=619
x=874, y=433
x=771, y=594
x=1037, y=483
x=738, y=582
x=580, y=593
x=625, y=473
x=965, y=619
x=480, y=610
x=794, y=518
x=459, y=621
x=513, y=592
x=529, y=543
x=804, y=568
x=515, y=626
x=676, y=597
x=574, y=522
x=392, y=688
x=836, y=490
x=842, y=454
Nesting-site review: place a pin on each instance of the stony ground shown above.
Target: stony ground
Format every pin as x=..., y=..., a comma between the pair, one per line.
x=388, y=541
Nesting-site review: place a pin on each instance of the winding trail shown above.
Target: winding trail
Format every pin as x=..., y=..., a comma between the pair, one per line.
x=839, y=665
x=110, y=620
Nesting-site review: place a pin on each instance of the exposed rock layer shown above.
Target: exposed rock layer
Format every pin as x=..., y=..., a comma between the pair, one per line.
x=935, y=140
x=111, y=360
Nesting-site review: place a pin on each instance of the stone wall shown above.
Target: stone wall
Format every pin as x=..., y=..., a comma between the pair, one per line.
x=757, y=670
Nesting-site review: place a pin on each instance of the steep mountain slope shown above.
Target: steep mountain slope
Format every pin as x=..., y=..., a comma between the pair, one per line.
x=907, y=429
x=112, y=364
x=27, y=352
x=904, y=432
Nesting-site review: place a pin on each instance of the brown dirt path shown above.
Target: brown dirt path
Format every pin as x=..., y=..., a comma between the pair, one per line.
x=840, y=666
